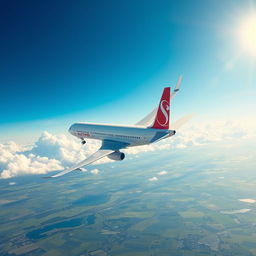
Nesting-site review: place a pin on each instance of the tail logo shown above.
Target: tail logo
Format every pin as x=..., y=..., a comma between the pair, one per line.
x=163, y=118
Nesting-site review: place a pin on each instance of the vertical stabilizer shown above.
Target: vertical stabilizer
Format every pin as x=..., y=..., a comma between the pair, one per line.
x=163, y=113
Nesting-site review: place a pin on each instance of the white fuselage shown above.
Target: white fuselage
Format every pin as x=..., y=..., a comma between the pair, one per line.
x=132, y=135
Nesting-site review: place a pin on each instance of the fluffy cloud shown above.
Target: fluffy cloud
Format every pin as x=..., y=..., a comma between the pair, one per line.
x=250, y=201
x=95, y=171
x=65, y=149
x=153, y=179
x=51, y=152
x=20, y=164
x=15, y=160
x=162, y=173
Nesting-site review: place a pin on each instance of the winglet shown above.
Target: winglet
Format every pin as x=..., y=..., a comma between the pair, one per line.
x=177, y=87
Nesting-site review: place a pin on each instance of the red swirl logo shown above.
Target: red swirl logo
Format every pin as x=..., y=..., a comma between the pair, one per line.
x=163, y=116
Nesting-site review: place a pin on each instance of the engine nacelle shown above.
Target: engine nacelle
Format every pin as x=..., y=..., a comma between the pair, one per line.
x=117, y=156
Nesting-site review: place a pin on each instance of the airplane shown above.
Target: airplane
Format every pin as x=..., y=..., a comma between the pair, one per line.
x=152, y=128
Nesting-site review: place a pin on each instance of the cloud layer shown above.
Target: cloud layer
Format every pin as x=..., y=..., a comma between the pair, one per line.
x=54, y=152
x=153, y=179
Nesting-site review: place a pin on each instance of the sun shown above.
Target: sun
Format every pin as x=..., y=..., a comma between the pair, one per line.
x=247, y=35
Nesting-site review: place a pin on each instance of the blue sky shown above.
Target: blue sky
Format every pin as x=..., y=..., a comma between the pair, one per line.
x=107, y=61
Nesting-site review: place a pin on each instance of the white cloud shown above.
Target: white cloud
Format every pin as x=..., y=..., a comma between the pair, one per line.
x=12, y=183
x=153, y=179
x=95, y=171
x=180, y=145
x=63, y=148
x=248, y=200
x=54, y=152
x=21, y=164
x=49, y=153
x=162, y=173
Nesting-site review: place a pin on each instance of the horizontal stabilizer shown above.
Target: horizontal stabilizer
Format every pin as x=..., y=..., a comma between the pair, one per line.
x=179, y=123
x=149, y=119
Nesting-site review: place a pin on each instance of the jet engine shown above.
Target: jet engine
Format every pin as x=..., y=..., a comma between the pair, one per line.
x=117, y=155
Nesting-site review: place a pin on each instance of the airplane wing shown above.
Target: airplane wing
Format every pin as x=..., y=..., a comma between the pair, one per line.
x=148, y=119
x=107, y=148
x=177, y=125
x=94, y=157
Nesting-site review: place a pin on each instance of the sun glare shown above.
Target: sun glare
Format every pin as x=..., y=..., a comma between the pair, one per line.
x=247, y=35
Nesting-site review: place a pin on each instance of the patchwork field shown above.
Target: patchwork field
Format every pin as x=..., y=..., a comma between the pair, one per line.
x=194, y=209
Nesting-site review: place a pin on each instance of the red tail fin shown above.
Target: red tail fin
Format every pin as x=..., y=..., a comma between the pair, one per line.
x=163, y=112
